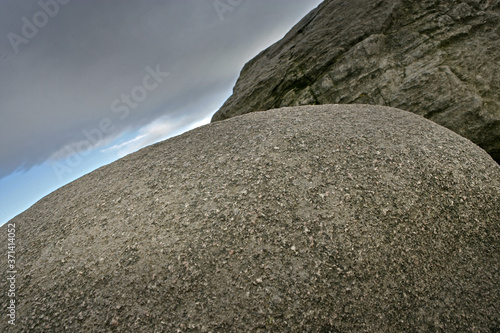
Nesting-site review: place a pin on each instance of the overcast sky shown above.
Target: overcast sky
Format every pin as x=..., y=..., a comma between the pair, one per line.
x=86, y=82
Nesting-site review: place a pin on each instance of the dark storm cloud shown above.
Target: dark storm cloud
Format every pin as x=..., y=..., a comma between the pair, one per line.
x=63, y=78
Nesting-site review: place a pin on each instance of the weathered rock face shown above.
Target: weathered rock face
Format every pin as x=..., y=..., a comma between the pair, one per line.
x=438, y=59
x=326, y=218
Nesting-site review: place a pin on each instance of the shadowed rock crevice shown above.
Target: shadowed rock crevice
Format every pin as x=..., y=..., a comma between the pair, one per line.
x=439, y=59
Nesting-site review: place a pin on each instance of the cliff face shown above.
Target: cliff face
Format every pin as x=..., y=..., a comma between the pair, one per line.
x=348, y=218
x=438, y=59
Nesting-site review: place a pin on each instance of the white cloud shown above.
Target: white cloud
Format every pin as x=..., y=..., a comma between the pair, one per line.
x=158, y=130
x=82, y=147
x=200, y=123
x=121, y=145
x=95, y=52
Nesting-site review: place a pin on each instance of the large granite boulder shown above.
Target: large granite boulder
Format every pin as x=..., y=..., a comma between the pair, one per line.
x=347, y=218
x=438, y=59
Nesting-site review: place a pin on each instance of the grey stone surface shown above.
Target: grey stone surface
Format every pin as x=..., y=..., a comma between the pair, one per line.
x=347, y=218
x=439, y=59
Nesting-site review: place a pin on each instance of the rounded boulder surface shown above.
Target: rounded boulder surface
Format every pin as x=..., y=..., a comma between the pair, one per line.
x=332, y=218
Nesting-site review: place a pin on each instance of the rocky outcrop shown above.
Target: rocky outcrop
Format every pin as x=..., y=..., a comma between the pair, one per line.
x=347, y=218
x=438, y=59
